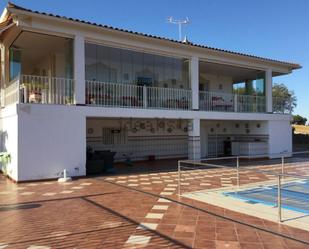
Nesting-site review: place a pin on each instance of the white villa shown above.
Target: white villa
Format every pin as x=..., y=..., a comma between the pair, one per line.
x=68, y=84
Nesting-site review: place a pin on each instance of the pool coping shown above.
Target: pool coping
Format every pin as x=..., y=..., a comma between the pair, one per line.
x=216, y=197
x=234, y=195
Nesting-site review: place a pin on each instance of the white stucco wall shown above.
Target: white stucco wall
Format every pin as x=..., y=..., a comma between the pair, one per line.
x=222, y=127
x=229, y=128
x=177, y=126
x=51, y=138
x=45, y=139
x=280, y=137
x=139, y=138
x=9, y=135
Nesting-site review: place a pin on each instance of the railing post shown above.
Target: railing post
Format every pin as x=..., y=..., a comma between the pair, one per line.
x=25, y=93
x=1, y=95
x=237, y=167
x=282, y=165
x=3, y=91
x=179, y=179
x=50, y=95
x=18, y=89
x=235, y=103
x=145, y=96
x=279, y=199
x=216, y=145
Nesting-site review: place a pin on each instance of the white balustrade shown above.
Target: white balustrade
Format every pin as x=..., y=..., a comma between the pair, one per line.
x=228, y=102
x=169, y=98
x=46, y=90
x=212, y=101
x=125, y=95
x=51, y=90
x=113, y=94
x=282, y=105
x=38, y=89
x=10, y=94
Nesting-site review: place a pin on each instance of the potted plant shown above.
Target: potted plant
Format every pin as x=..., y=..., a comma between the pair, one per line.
x=69, y=100
x=5, y=158
x=34, y=91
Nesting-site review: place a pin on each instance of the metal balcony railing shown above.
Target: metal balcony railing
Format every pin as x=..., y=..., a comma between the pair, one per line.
x=282, y=105
x=228, y=102
x=38, y=90
x=125, y=95
x=52, y=90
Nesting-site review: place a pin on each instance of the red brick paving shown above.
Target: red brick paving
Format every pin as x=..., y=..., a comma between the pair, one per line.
x=102, y=214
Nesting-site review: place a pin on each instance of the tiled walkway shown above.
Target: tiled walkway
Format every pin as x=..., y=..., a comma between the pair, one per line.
x=132, y=211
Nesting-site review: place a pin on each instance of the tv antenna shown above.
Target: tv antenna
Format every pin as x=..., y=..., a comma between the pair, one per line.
x=179, y=23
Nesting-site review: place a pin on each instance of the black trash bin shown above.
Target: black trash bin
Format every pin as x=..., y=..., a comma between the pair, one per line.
x=227, y=147
x=94, y=164
x=108, y=158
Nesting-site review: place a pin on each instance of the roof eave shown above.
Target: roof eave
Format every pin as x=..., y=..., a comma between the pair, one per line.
x=4, y=16
x=20, y=10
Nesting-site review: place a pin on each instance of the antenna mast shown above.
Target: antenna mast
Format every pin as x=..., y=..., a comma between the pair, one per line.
x=179, y=23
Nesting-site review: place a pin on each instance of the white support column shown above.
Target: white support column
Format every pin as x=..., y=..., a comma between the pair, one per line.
x=194, y=81
x=145, y=97
x=279, y=138
x=2, y=65
x=2, y=76
x=79, y=69
x=194, y=139
x=269, y=90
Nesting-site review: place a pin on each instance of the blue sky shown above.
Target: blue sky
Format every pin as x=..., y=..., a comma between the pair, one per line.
x=270, y=28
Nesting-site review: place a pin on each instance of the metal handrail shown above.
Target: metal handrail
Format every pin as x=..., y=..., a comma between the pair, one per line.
x=241, y=168
x=279, y=175
x=231, y=102
x=250, y=157
x=38, y=89
x=131, y=95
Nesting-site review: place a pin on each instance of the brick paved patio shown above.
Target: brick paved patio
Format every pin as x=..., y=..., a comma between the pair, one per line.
x=132, y=211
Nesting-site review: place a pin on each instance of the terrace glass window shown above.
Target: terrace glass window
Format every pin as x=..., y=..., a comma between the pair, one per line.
x=251, y=87
x=15, y=62
x=114, y=65
x=41, y=55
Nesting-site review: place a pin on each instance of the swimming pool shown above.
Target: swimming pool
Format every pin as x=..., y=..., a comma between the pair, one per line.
x=294, y=195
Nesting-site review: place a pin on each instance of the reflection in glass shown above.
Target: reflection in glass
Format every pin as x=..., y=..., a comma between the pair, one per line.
x=251, y=87
x=15, y=63
x=114, y=65
x=41, y=55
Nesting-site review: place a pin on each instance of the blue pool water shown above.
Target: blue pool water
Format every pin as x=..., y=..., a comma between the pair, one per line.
x=294, y=195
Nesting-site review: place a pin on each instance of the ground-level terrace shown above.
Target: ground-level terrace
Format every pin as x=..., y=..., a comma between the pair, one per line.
x=99, y=213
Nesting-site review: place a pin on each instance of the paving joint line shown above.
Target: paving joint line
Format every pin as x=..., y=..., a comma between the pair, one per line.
x=209, y=212
x=135, y=222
